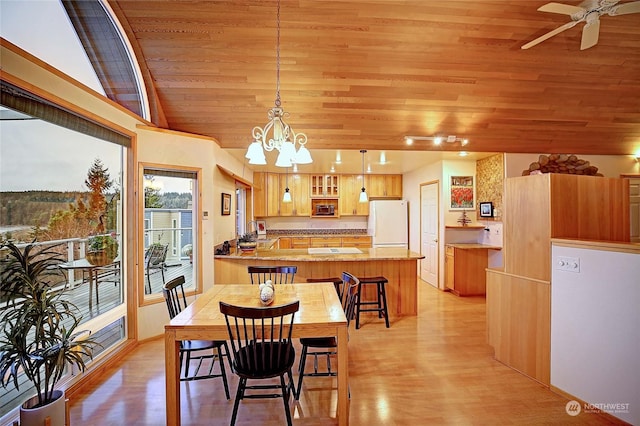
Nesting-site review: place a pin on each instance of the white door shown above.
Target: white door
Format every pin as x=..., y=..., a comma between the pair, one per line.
x=634, y=206
x=429, y=208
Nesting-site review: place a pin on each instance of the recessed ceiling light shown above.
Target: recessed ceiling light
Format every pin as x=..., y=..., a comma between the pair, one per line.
x=383, y=158
x=463, y=153
x=338, y=158
x=408, y=140
x=437, y=140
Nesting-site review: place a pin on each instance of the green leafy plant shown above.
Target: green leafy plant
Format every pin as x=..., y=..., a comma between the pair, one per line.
x=39, y=336
x=249, y=237
x=106, y=243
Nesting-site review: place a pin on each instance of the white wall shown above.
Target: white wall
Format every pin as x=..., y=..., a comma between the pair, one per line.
x=595, y=328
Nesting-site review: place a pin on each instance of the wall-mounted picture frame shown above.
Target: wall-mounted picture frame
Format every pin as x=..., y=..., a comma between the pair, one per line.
x=486, y=209
x=462, y=193
x=226, y=204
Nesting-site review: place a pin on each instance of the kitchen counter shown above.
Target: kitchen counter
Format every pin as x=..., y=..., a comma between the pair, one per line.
x=398, y=265
x=464, y=246
x=303, y=255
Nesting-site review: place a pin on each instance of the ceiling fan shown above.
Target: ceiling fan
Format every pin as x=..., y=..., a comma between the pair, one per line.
x=589, y=14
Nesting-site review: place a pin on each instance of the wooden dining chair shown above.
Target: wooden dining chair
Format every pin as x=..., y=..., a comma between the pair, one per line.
x=277, y=274
x=262, y=349
x=200, y=351
x=327, y=346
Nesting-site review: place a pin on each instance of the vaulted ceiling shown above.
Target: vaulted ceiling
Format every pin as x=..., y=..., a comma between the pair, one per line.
x=365, y=73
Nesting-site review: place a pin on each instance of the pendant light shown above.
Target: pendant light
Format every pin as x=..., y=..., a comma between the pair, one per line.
x=286, y=198
x=363, y=195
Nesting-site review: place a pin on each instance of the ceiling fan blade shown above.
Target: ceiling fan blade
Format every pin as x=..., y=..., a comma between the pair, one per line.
x=564, y=9
x=626, y=8
x=550, y=34
x=590, y=34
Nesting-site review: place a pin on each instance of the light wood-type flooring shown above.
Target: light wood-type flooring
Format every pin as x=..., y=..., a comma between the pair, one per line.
x=435, y=368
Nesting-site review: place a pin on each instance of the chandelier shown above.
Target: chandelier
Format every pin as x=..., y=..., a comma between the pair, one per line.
x=277, y=134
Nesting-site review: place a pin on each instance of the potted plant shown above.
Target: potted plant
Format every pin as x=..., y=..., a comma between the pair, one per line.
x=247, y=242
x=101, y=249
x=38, y=331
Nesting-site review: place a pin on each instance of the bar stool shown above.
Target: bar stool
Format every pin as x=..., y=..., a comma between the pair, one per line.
x=337, y=283
x=380, y=303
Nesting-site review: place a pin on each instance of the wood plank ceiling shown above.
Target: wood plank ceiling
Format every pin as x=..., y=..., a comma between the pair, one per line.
x=363, y=74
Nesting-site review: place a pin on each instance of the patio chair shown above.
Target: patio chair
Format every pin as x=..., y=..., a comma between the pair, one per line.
x=154, y=261
x=262, y=349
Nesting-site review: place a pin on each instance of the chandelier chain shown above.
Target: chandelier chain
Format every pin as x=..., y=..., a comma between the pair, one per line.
x=278, y=103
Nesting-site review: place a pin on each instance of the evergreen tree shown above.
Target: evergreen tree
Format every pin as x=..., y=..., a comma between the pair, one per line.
x=98, y=181
x=151, y=194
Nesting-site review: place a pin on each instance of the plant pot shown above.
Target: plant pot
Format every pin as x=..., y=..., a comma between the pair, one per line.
x=99, y=258
x=248, y=246
x=36, y=416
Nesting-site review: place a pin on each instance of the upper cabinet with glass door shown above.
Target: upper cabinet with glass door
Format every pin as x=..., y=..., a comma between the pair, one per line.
x=324, y=186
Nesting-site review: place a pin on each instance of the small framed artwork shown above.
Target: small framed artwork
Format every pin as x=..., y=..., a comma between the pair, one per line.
x=226, y=204
x=262, y=227
x=461, y=193
x=486, y=209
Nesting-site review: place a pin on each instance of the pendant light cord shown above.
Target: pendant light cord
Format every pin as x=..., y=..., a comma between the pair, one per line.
x=278, y=103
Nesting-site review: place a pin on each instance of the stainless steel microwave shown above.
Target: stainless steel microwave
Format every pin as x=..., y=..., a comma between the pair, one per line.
x=325, y=210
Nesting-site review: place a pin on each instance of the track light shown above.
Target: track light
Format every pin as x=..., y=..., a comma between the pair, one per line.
x=437, y=140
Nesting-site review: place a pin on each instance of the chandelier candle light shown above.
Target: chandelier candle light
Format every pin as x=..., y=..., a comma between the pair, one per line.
x=277, y=134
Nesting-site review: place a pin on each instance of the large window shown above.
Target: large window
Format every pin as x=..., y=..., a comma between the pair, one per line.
x=45, y=195
x=170, y=212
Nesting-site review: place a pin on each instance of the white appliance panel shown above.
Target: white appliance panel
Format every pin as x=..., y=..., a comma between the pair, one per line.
x=388, y=223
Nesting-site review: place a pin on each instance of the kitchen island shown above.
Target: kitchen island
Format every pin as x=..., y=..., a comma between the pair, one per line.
x=399, y=266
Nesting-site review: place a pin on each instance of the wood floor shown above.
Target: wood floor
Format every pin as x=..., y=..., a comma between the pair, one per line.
x=432, y=369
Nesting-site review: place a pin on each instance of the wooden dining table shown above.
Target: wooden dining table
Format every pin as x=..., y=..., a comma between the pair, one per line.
x=320, y=315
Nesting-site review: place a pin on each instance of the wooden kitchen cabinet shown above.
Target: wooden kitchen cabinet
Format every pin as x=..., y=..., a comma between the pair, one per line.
x=350, y=188
x=259, y=194
x=324, y=186
x=300, y=204
x=274, y=196
x=359, y=241
x=299, y=242
x=465, y=269
x=284, y=242
x=385, y=186
x=325, y=241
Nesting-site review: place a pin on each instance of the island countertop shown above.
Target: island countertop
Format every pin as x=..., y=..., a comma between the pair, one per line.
x=302, y=255
x=398, y=265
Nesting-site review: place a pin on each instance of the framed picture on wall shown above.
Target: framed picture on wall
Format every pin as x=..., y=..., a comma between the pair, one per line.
x=486, y=209
x=462, y=193
x=226, y=204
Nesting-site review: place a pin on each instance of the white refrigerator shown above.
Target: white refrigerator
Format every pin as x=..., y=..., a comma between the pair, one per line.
x=388, y=223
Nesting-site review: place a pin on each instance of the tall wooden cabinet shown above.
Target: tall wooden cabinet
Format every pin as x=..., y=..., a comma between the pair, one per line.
x=536, y=209
x=350, y=188
x=268, y=191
